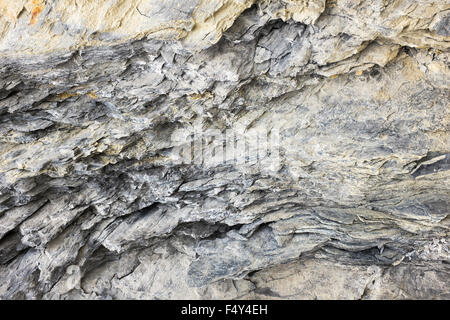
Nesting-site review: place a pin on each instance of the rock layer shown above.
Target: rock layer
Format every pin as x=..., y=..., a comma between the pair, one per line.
x=98, y=98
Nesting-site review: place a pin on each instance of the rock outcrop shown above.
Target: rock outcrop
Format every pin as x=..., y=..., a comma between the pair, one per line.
x=224, y=149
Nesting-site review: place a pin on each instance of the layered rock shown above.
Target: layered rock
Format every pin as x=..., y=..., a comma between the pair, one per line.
x=115, y=170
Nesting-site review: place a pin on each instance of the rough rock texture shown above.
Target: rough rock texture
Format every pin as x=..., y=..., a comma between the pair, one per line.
x=98, y=97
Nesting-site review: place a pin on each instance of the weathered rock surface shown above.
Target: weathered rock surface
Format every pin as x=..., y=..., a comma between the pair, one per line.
x=97, y=98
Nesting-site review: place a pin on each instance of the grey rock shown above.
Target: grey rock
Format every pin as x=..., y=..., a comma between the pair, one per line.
x=225, y=150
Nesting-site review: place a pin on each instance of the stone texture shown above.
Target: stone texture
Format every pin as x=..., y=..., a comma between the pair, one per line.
x=98, y=97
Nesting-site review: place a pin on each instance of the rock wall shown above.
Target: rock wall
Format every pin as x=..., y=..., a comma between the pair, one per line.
x=225, y=149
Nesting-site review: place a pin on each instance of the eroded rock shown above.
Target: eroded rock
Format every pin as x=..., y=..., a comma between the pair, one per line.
x=224, y=149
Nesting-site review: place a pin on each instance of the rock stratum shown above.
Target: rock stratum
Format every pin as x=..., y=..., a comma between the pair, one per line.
x=98, y=98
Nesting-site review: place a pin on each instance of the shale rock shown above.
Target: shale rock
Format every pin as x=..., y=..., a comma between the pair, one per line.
x=249, y=149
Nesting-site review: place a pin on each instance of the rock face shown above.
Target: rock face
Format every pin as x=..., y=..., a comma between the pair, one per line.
x=226, y=149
